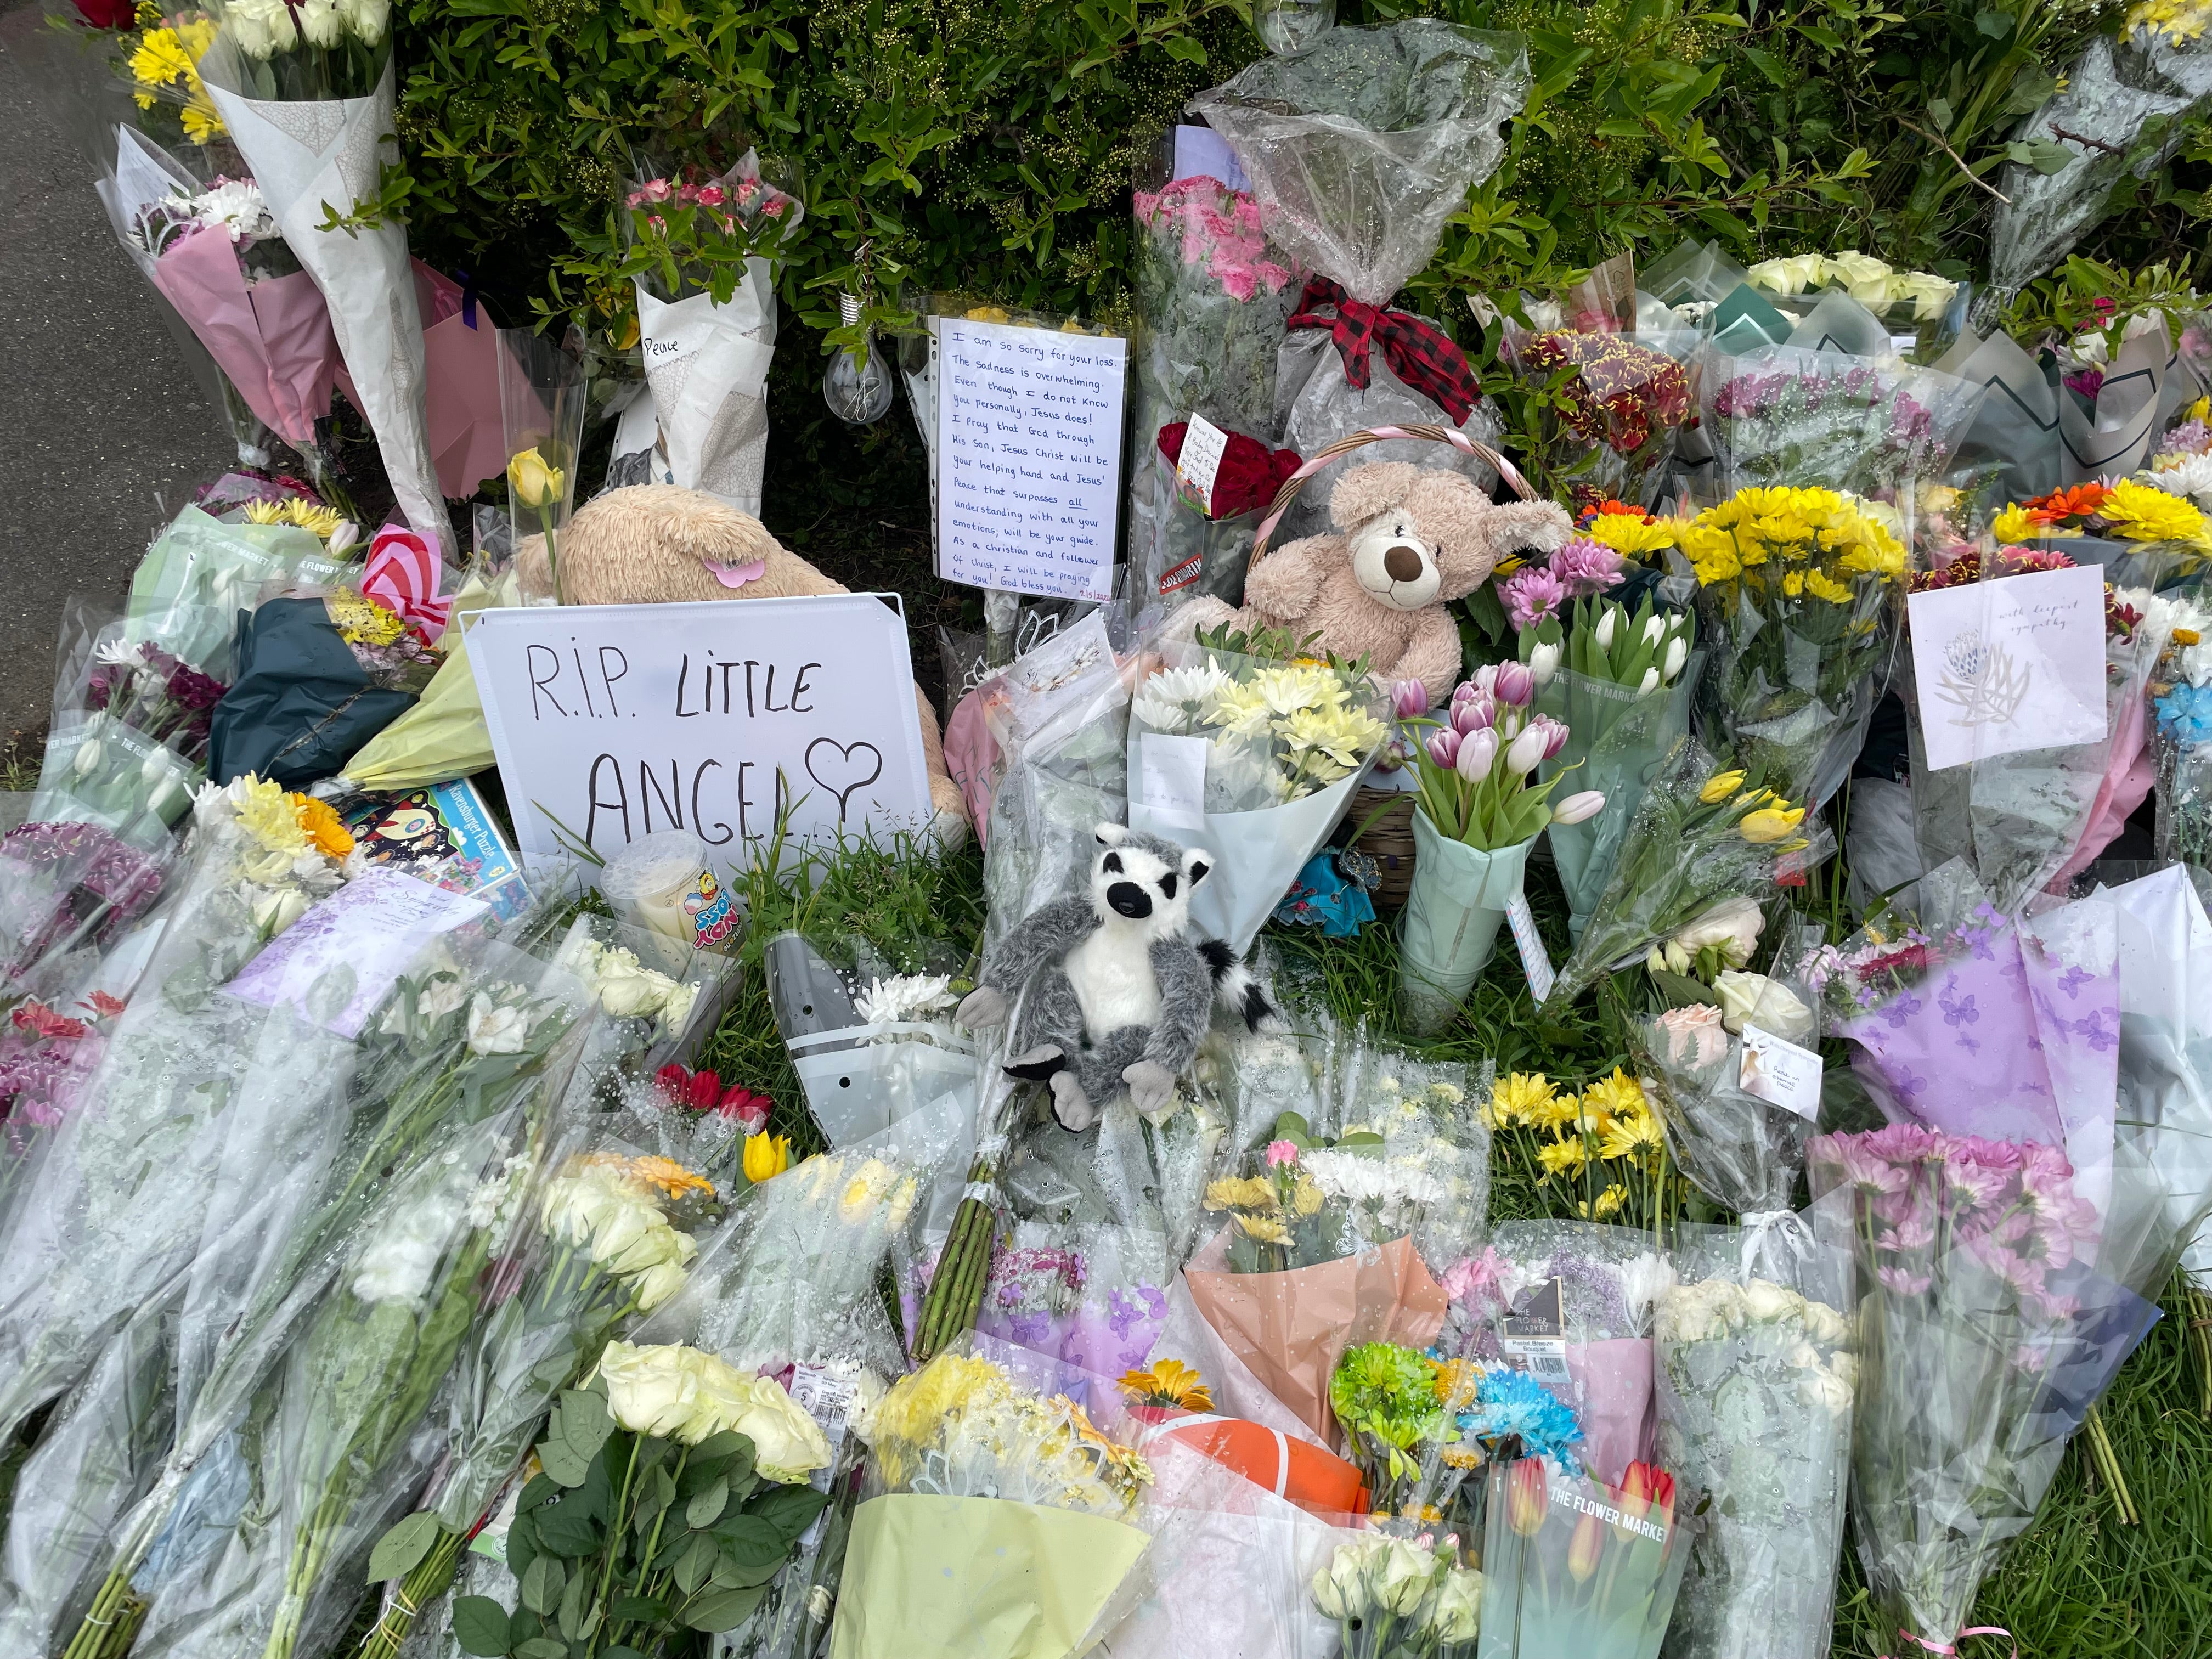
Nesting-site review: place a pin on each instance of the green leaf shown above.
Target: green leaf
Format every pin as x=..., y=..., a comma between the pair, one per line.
x=638, y=1609
x=1680, y=990
x=586, y=1422
x=566, y=1531
x=572, y=1606
x=541, y=1647
x=540, y=1490
x=693, y=1566
x=1995, y=24
x=790, y=1510
x=562, y=1465
x=1182, y=46
x=747, y=1540
x=400, y=1550
x=721, y=1610
x=1939, y=112
x=543, y=1585
x=705, y=1508
x=480, y=1625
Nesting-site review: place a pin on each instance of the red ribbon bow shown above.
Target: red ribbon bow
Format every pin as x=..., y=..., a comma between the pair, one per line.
x=1420, y=354
x=403, y=575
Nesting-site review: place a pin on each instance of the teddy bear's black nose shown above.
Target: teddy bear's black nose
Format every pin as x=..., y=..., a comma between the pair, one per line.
x=1402, y=564
x=1129, y=900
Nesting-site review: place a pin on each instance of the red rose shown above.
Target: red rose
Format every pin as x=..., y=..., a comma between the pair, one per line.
x=109, y=14
x=1249, y=474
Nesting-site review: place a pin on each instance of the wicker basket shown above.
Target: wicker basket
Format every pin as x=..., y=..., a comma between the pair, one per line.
x=1389, y=840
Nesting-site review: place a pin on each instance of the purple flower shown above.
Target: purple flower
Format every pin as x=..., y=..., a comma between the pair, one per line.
x=1532, y=594
x=1409, y=699
x=1516, y=684
x=1443, y=747
x=1903, y=1282
x=1584, y=566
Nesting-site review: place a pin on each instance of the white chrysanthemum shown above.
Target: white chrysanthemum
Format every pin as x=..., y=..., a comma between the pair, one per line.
x=1174, y=700
x=234, y=204
x=397, y=1265
x=1643, y=1282
x=2187, y=476
x=901, y=997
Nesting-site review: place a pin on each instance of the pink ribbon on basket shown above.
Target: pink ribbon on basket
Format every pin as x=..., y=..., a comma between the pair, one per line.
x=403, y=575
x=1949, y=1648
x=1456, y=439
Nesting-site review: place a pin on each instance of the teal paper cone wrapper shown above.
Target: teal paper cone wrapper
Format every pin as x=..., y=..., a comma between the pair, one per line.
x=1451, y=919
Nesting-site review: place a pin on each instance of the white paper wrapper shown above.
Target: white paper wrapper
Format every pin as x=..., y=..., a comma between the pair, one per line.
x=707, y=367
x=1260, y=854
x=306, y=155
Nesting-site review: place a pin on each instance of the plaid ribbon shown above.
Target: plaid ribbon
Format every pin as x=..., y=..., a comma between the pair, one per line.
x=1420, y=354
x=403, y=575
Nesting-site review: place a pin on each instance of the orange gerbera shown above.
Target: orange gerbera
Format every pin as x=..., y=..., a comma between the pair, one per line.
x=670, y=1176
x=322, y=825
x=2061, y=505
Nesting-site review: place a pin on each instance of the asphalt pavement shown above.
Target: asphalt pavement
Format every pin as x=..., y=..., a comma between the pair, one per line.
x=107, y=431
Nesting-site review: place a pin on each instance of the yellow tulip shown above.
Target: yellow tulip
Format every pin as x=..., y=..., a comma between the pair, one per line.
x=1719, y=787
x=536, y=484
x=1770, y=823
x=766, y=1156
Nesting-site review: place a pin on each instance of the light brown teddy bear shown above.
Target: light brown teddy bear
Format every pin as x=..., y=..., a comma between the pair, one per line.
x=1407, y=540
x=658, y=545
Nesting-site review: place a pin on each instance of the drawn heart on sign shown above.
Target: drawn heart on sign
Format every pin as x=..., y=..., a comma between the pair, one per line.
x=849, y=758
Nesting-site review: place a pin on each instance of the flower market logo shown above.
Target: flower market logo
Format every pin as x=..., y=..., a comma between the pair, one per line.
x=1981, y=681
x=1564, y=1499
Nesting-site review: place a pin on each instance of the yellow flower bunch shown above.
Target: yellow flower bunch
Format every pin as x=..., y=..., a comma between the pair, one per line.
x=360, y=620
x=2177, y=20
x=1807, y=532
x=321, y=521
x=165, y=61
x=1605, y=1138
x=2144, y=512
x=319, y=824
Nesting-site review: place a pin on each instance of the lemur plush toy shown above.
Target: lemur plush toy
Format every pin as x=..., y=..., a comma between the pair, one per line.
x=1119, y=991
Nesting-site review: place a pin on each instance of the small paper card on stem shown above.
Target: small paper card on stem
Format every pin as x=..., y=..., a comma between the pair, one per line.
x=1781, y=1073
x=2009, y=665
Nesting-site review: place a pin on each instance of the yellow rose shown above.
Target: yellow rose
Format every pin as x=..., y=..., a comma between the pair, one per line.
x=537, y=485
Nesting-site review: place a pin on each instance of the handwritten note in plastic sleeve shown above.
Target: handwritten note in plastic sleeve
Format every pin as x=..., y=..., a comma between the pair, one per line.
x=1778, y=1071
x=1028, y=457
x=2010, y=665
x=374, y=925
x=1171, y=778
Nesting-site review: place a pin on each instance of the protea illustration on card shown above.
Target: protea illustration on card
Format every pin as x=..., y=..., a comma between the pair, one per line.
x=1981, y=681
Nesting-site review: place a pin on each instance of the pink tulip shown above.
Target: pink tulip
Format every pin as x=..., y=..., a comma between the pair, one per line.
x=1485, y=679
x=1555, y=734
x=1409, y=699
x=1476, y=754
x=1516, y=684
x=1576, y=808
x=1443, y=747
x=1476, y=715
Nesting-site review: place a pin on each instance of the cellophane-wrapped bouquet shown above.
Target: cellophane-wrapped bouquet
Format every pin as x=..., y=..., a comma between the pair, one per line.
x=1982, y=1342
x=1576, y=1565
x=991, y=1507
x=2180, y=714
x=1795, y=584
x=2036, y=818
x=1214, y=294
x=1703, y=857
x=1756, y=1379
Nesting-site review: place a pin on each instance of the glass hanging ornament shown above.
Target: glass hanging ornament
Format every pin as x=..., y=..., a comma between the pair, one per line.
x=858, y=394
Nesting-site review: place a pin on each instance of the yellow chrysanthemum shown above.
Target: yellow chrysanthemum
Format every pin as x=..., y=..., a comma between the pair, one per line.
x=160, y=59
x=1563, y=1156
x=2179, y=21
x=360, y=620
x=1306, y=1197
x=321, y=824
x=1613, y=1097
x=1265, y=1229
x=1821, y=586
x=1757, y=526
x=1608, y=1202
x=1520, y=1097
x=265, y=812
x=1239, y=1193
x=1628, y=534
x=324, y=521
x=1627, y=1134
x=265, y=512
x=2144, y=512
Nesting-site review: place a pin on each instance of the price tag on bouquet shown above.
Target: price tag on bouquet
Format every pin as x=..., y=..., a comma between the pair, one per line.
x=1780, y=1073
x=1533, y=1336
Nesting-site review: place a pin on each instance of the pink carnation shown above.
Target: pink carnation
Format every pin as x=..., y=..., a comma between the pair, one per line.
x=1280, y=1152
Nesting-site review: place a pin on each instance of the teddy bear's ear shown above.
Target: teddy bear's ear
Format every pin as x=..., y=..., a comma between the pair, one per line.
x=1454, y=514
x=1363, y=491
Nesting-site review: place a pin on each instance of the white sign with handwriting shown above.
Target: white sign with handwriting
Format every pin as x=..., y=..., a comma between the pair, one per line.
x=612, y=722
x=1028, y=457
x=2009, y=665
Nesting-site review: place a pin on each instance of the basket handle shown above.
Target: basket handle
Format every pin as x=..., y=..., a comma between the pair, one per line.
x=1360, y=440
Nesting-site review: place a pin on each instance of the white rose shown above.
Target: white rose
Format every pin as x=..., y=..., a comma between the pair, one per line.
x=656, y=1285
x=1731, y=925
x=320, y=23
x=650, y=1390
x=276, y=908
x=628, y=989
x=1825, y=1325
x=1340, y=1587
x=1764, y=1299
x=496, y=1028
x=1863, y=276
x=1845, y=1366
x=787, y=1442
x=1755, y=999
x=1458, y=1613
x=262, y=29
x=1404, y=1577
x=1930, y=295
x=1793, y=275
x=366, y=19
x=1802, y=1356
x=1823, y=1388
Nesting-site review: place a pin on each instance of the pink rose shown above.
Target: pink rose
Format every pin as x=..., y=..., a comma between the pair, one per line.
x=1695, y=1031
x=1280, y=1152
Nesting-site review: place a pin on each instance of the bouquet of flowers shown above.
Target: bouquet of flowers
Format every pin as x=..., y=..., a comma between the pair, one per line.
x=202, y=571
x=613, y=1236
x=1756, y=1378
x=2182, y=464
x=2035, y=817
x=672, y=1489
x=1582, y=1566
x=1620, y=682
x=66, y=887
x=1324, y=1244
x=1794, y=585
x=1213, y=296
x=990, y=1505
x=1402, y=1598
x=324, y=185
x=1253, y=756
x=1207, y=537
x=1479, y=809
x=1399, y=1412
x=1092, y=1295
x=1740, y=1148
x=873, y=1042
x=1570, y=1304
x=701, y=253
x=46, y=1056
x=1789, y=416
x=1919, y=296
x=1705, y=854
x=1983, y=1343
x=2030, y=1006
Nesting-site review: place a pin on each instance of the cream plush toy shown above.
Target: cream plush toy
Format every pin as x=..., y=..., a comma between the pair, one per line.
x=657, y=545
x=1407, y=540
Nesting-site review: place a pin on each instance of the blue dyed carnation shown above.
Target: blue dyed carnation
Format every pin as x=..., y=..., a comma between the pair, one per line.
x=2185, y=712
x=1509, y=1402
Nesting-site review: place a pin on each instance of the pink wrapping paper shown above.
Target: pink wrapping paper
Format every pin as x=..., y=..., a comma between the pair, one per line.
x=1613, y=1388
x=461, y=367
x=972, y=757
x=2128, y=779
x=271, y=338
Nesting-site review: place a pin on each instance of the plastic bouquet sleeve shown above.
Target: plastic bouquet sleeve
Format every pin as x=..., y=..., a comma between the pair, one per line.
x=1254, y=760
x=1756, y=1378
x=996, y=1518
x=303, y=155
x=1572, y=1566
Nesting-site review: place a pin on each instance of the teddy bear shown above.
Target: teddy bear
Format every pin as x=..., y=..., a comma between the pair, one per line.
x=659, y=544
x=1407, y=540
